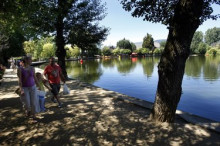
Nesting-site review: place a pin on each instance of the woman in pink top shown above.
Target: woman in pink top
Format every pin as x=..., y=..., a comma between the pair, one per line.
x=27, y=80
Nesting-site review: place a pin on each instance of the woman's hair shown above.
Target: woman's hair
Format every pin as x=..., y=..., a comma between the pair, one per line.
x=22, y=60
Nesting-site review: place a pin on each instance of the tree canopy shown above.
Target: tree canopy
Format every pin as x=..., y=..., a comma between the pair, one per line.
x=212, y=35
x=124, y=44
x=197, y=39
x=71, y=21
x=163, y=11
x=148, y=42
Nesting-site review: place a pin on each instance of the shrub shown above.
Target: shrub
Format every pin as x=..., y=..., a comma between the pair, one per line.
x=145, y=51
x=125, y=51
x=116, y=51
x=157, y=51
x=106, y=51
x=212, y=51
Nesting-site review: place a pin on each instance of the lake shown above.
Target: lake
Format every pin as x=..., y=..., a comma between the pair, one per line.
x=138, y=77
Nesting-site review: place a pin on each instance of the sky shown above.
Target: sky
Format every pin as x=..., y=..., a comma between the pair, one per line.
x=123, y=25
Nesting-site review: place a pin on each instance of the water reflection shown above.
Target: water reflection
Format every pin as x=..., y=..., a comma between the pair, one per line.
x=88, y=71
x=148, y=65
x=205, y=67
x=138, y=77
x=196, y=66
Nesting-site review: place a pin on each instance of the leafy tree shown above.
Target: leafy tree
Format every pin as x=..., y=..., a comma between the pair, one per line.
x=29, y=47
x=4, y=45
x=202, y=48
x=72, y=22
x=48, y=50
x=116, y=51
x=133, y=46
x=144, y=51
x=148, y=42
x=39, y=43
x=162, y=44
x=138, y=51
x=212, y=35
x=125, y=51
x=182, y=17
x=157, y=51
x=197, y=39
x=13, y=22
x=124, y=44
x=106, y=51
x=35, y=47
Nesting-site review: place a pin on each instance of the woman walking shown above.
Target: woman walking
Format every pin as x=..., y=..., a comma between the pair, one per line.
x=27, y=80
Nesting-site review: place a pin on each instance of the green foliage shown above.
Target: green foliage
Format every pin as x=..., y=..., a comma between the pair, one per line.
x=73, y=22
x=162, y=44
x=48, y=50
x=157, y=51
x=106, y=51
x=82, y=24
x=125, y=51
x=124, y=44
x=163, y=11
x=116, y=51
x=29, y=47
x=197, y=39
x=211, y=52
x=134, y=47
x=35, y=47
x=212, y=35
x=144, y=51
x=72, y=52
x=148, y=42
x=138, y=51
x=202, y=48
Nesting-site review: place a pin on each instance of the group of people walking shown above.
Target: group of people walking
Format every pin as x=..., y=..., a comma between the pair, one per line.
x=31, y=85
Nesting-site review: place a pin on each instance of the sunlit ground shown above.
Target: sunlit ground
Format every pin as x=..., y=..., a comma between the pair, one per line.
x=92, y=116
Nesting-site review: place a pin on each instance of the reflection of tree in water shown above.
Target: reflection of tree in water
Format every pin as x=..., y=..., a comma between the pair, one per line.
x=89, y=71
x=108, y=63
x=148, y=65
x=194, y=66
x=125, y=65
x=211, y=70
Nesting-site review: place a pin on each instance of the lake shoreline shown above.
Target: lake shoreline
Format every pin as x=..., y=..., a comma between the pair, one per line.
x=95, y=116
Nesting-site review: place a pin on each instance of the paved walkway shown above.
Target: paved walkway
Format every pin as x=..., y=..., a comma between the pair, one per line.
x=93, y=116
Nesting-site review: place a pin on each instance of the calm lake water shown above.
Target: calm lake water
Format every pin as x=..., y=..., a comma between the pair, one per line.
x=138, y=77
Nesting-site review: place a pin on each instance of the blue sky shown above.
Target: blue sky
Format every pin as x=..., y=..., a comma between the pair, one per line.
x=123, y=25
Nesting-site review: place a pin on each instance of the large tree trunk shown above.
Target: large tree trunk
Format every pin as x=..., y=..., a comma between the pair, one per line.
x=60, y=42
x=172, y=62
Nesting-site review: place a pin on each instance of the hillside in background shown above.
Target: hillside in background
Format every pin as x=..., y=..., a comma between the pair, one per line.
x=156, y=43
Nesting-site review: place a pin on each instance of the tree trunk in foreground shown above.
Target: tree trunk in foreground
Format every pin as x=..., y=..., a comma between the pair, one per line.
x=172, y=63
x=60, y=43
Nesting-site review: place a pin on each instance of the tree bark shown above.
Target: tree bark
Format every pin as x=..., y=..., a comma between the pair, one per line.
x=172, y=63
x=60, y=42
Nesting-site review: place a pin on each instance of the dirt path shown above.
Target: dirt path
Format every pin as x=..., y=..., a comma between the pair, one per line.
x=92, y=116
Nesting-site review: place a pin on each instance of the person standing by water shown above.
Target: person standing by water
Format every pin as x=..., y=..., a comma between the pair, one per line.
x=53, y=73
x=27, y=84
